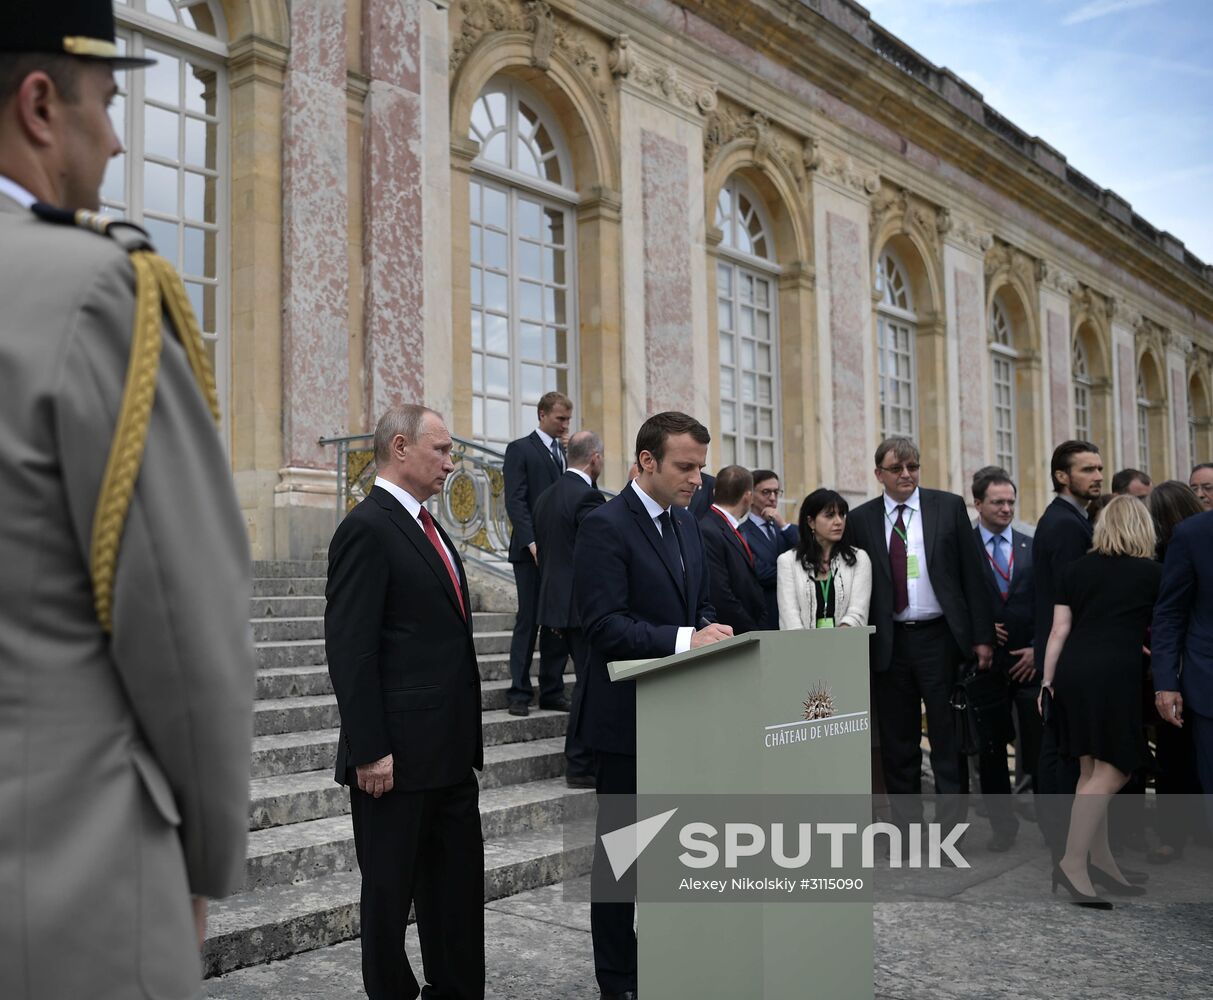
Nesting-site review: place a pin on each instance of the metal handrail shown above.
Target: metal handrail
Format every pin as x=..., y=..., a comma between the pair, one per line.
x=471, y=505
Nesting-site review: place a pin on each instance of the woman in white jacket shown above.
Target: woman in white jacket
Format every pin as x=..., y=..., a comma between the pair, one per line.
x=823, y=582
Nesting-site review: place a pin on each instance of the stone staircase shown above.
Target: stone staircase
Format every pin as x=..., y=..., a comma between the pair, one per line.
x=301, y=883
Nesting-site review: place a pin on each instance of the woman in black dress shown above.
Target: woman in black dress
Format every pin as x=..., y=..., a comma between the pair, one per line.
x=1093, y=671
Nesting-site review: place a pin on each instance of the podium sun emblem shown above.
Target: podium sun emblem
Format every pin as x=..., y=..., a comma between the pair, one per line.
x=820, y=703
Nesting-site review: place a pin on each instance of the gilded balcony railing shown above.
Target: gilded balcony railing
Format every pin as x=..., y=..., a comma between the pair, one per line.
x=471, y=505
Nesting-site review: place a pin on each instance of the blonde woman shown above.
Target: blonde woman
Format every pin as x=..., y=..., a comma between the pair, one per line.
x=1093, y=672
x=823, y=582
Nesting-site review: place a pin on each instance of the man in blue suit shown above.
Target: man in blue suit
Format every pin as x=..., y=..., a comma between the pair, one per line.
x=1008, y=574
x=640, y=581
x=1183, y=634
x=769, y=536
x=532, y=464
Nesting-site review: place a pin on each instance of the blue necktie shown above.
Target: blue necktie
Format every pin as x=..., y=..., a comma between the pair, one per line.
x=557, y=455
x=1004, y=567
x=669, y=538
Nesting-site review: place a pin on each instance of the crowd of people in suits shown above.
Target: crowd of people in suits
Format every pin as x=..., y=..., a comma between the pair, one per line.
x=680, y=559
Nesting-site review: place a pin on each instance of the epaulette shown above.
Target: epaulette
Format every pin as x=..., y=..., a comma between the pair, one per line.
x=123, y=232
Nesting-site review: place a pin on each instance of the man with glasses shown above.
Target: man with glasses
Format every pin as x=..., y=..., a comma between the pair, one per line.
x=929, y=611
x=1201, y=482
x=768, y=535
x=1008, y=574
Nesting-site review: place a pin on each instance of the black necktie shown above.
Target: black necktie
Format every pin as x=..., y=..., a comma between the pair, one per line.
x=557, y=455
x=669, y=538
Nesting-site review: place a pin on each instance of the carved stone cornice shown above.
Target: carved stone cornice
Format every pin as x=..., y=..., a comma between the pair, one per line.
x=913, y=217
x=1005, y=261
x=1084, y=299
x=549, y=33
x=1057, y=278
x=770, y=142
x=839, y=168
x=959, y=230
x=685, y=91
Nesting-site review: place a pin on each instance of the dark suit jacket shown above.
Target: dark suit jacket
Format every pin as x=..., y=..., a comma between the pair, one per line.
x=1183, y=616
x=1018, y=611
x=766, y=552
x=735, y=591
x=400, y=653
x=953, y=564
x=701, y=502
x=1063, y=534
x=632, y=601
x=558, y=513
x=529, y=470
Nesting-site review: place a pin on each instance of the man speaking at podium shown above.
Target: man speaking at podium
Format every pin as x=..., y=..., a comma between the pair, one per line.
x=640, y=582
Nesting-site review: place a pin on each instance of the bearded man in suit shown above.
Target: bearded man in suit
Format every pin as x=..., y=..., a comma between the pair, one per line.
x=398, y=635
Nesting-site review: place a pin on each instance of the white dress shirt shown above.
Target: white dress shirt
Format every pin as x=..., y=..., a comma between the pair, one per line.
x=413, y=506
x=15, y=191
x=584, y=475
x=987, y=537
x=733, y=522
x=924, y=605
x=655, y=510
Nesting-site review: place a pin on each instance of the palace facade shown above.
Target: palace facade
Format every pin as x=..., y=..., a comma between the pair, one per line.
x=769, y=213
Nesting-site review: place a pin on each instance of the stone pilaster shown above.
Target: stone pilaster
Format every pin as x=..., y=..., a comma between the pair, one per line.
x=1176, y=367
x=840, y=190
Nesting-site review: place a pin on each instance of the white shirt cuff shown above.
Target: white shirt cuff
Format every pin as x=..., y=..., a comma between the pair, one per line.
x=683, y=642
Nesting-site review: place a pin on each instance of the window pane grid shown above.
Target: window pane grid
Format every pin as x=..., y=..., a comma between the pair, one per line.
x=1081, y=374
x=1143, y=424
x=895, y=339
x=748, y=366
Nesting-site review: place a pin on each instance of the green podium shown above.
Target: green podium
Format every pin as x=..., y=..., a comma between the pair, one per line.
x=731, y=719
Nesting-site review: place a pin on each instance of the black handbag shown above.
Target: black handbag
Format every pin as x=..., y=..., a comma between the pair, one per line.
x=979, y=711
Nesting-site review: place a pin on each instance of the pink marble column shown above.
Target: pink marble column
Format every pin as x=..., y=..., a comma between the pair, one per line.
x=315, y=326
x=1059, y=377
x=850, y=304
x=394, y=306
x=1179, y=417
x=1128, y=406
x=971, y=347
x=668, y=344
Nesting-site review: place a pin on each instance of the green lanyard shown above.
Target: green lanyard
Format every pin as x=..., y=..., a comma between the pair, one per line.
x=905, y=535
x=824, y=586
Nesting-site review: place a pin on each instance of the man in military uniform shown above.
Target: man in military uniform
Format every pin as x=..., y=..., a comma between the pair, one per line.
x=126, y=666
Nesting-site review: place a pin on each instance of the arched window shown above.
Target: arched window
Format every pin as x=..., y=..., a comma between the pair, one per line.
x=1002, y=364
x=1192, y=437
x=748, y=325
x=1080, y=368
x=896, y=333
x=523, y=237
x=1198, y=421
x=1143, y=423
x=172, y=118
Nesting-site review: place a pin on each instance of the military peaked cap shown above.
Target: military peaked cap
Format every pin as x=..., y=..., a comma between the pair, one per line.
x=83, y=28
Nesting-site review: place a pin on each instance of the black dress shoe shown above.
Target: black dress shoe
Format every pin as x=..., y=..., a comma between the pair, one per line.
x=1000, y=842
x=580, y=781
x=626, y=995
x=1111, y=884
x=556, y=705
x=1135, y=877
x=519, y=708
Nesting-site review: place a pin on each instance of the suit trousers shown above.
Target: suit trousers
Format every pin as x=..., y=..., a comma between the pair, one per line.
x=553, y=651
x=612, y=925
x=1202, y=739
x=422, y=849
x=578, y=757
x=922, y=671
x=993, y=773
x=1056, y=779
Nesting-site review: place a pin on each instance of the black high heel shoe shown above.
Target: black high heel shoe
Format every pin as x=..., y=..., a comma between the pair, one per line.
x=1102, y=879
x=1080, y=898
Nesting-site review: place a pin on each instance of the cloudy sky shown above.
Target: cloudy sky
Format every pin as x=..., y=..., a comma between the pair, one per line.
x=1122, y=88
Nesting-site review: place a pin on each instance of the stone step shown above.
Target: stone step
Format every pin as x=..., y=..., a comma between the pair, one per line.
x=286, y=607
x=290, y=653
x=297, y=796
x=294, y=715
x=256, y=927
x=504, y=764
x=269, y=631
x=279, y=568
x=299, y=586
x=300, y=682
x=289, y=855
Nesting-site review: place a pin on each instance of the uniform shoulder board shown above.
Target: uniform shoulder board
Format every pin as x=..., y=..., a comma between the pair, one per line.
x=126, y=234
